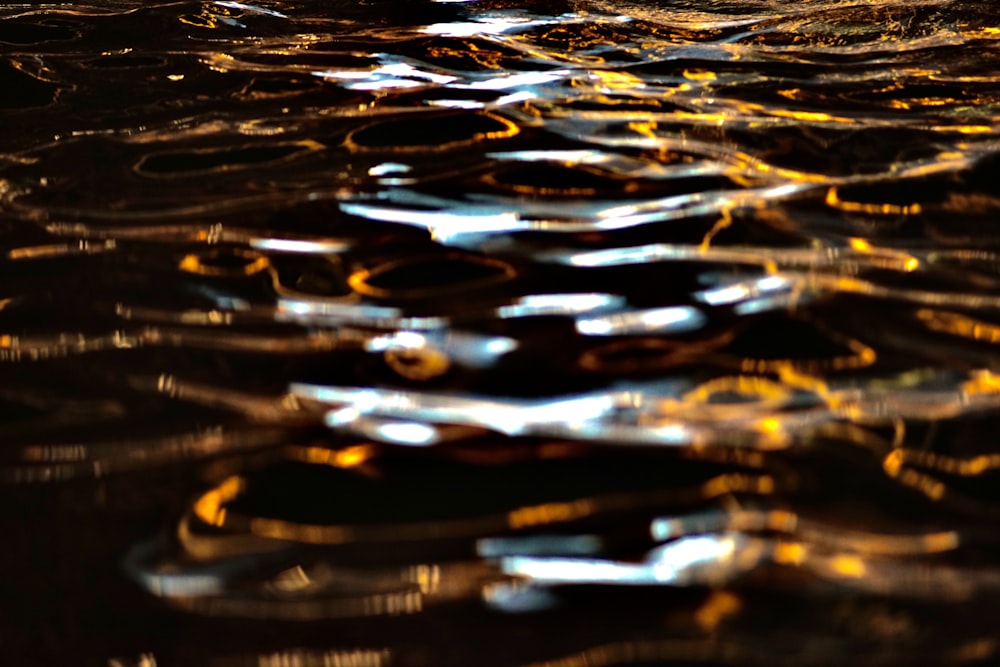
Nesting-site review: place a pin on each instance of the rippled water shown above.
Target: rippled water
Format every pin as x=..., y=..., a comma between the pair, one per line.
x=562, y=333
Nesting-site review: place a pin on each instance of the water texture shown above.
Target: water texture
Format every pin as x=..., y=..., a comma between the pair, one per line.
x=562, y=333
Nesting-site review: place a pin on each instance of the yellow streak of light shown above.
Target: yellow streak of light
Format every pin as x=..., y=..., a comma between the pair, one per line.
x=736, y=483
x=719, y=606
x=848, y=566
x=699, y=75
x=612, y=80
x=537, y=515
x=966, y=327
x=833, y=200
x=722, y=223
x=194, y=264
x=739, y=384
x=349, y=457
x=893, y=464
x=209, y=508
x=790, y=553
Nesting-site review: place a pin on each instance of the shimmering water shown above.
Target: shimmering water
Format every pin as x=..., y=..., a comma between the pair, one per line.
x=563, y=333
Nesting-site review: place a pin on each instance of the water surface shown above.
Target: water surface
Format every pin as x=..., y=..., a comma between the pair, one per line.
x=560, y=333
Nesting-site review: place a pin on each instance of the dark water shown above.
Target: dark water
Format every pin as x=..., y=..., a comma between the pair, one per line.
x=557, y=333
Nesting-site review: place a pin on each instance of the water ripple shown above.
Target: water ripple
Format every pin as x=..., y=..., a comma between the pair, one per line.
x=371, y=319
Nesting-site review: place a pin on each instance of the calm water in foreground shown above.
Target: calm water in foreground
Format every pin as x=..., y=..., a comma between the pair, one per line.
x=556, y=333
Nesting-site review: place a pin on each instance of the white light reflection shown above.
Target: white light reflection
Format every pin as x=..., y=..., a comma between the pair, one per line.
x=342, y=417
x=443, y=224
x=626, y=167
x=492, y=25
x=479, y=218
x=306, y=247
x=539, y=545
x=405, y=340
x=392, y=75
x=206, y=580
x=663, y=529
x=725, y=295
x=404, y=70
x=577, y=571
x=249, y=8
x=467, y=349
x=629, y=417
x=473, y=350
x=692, y=558
x=407, y=433
x=329, y=312
x=744, y=290
x=500, y=346
x=469, y=220
x=687, y=205
x=458, y=104
x=513, y=98
x=517, y=598
x=572, y=157
x=781, y=302
x=516, y=80
x=648, y=432
x=510, y=416
x=674, y=319
x=389, y=168
x=559, y=304
x=701, y=559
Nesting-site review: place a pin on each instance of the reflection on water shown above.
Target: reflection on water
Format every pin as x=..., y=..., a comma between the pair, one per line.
x=560, y=332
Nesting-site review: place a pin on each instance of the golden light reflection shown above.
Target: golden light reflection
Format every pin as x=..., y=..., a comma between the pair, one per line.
x=506, y=129
x=348, y=457
x=833, y=200
x=719, y=606
x=209, y=508
x=790, y=553
x=894, y=466
x=238, y=262
x=964, y=326
x=848, y=566
x=536, y=515
x=743, y=385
